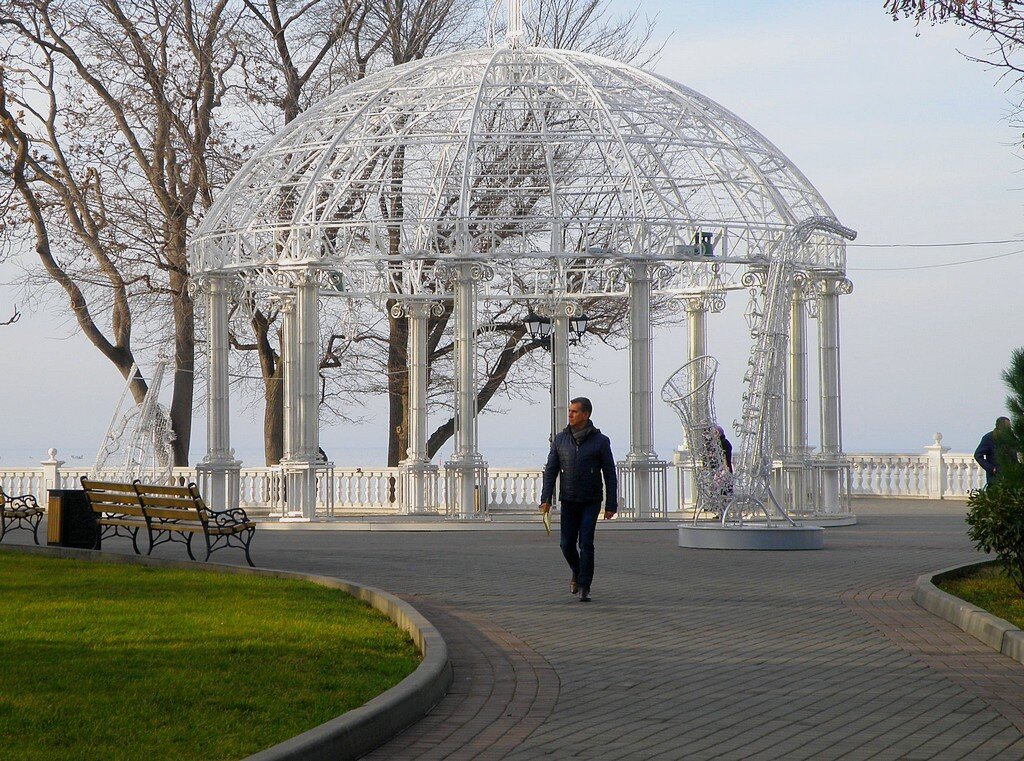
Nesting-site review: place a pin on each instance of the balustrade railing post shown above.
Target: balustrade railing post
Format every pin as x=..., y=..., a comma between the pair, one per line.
x=51, y=475
x=936, y=468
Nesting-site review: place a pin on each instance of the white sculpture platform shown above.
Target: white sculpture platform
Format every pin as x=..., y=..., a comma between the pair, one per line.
x=751, y=536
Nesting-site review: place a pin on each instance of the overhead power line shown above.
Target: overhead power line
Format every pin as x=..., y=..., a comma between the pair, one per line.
x=936, y=245
x=935, y=266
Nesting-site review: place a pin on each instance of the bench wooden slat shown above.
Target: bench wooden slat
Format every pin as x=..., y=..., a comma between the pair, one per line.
x=172, y=514
x=172, y=502
x=172, y=491
x=123, y=510
x=111, y=499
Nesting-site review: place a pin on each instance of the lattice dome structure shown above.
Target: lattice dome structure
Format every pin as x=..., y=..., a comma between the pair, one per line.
x=541, y=176
x=528, y=152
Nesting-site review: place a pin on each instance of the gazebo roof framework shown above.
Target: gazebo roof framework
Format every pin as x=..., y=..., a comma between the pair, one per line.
x=554, y=175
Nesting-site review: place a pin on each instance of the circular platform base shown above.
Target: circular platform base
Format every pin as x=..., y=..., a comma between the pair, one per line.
x=752, y=537
x=829, y=521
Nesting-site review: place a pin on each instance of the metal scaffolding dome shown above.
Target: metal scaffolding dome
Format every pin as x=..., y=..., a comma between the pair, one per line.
x=511, y=154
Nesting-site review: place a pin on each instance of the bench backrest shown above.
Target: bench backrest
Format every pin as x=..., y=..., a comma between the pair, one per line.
x=112, y=497
x=181, y=503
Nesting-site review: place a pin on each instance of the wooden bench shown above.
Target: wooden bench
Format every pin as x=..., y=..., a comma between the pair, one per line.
x=117, y=509
x=169, y=514
x=19, y=512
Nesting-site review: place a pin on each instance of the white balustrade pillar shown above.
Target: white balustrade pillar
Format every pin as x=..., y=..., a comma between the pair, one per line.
x=559, y=371
x=467, y=471
x=644, y=475
x=51, y=473
x=219, y=471
x=417, y=474
x=936, y=468
x=831, y=455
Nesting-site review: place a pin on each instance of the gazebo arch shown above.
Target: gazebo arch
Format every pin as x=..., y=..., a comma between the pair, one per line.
x=546, y=176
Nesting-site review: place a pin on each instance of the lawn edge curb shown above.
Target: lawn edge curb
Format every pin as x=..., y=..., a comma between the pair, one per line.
x=997, y=633
x=354, y=733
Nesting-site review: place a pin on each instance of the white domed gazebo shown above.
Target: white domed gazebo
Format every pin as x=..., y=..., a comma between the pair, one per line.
x=529, y=174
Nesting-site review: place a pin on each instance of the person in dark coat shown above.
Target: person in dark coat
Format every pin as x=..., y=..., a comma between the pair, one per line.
x=992, y=449
x=580, y=457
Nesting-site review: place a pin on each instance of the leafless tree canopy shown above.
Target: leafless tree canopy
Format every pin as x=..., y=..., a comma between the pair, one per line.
x=1002, y=20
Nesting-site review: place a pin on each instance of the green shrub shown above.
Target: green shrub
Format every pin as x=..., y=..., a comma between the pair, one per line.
x=996, y=520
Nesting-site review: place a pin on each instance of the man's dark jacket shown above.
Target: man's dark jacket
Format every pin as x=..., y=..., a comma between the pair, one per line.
x=985, y=454
x=579, y=468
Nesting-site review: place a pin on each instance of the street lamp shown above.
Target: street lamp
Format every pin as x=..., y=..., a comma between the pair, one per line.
x=578, y=326
x=538, y=328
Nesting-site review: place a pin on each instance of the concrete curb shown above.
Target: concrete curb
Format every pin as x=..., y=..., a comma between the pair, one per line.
x=356, y=732
x=997, y=633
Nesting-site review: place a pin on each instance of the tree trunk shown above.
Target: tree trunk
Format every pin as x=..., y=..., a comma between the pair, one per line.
x=272, y=370
x=183, y=393
x=398, y=388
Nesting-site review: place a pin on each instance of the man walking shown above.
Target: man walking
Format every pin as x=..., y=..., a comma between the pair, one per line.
x=993, y=450
x=580, y=456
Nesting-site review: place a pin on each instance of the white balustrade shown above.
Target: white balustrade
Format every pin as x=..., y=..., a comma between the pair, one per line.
x=374, y=491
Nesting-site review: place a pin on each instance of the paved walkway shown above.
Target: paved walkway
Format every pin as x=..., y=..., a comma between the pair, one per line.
x=691, y=654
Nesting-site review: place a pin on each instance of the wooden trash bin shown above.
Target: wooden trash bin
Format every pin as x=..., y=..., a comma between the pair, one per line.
x=70, y=520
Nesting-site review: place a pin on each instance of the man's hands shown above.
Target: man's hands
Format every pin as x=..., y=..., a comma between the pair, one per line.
x=546, y=507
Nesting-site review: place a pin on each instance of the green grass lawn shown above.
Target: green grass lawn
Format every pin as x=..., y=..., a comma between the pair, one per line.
x=103, y=661
x=991, y=589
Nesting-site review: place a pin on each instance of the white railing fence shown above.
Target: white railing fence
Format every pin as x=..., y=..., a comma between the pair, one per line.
x=933, y=474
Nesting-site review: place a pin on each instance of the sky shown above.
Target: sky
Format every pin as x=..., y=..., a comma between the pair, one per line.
x=907, y=140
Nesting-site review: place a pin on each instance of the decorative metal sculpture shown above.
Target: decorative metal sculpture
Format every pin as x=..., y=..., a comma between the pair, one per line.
x=691, y=393
x=139, y=440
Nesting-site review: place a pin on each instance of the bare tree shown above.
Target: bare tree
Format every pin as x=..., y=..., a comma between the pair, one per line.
x=1000, y=20
x=107, y=115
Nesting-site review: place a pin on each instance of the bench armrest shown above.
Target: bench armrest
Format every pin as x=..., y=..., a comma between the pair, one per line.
x=231, y=517
x=22, y=502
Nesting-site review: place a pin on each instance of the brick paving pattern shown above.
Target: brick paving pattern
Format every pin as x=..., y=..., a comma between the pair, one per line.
x=690, y=654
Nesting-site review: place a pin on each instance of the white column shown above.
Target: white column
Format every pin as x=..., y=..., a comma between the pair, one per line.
x=696, y=308
x=796, y=465
x=644, y=475
x=697, y=326
x=831, y=456
x=302, y=374
x=219, y=471
x=417, y=472
x=467, y=471
x=288, y=344
x=559, y=371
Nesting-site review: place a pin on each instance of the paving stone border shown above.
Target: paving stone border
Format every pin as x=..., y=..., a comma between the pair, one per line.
x=997, y=633
x=356, y=732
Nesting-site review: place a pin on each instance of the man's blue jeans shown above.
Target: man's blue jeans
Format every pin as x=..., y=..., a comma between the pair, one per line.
x=578, y=523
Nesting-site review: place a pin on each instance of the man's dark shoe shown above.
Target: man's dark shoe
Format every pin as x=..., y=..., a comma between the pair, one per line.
x=584, y=594
x=574, y=586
